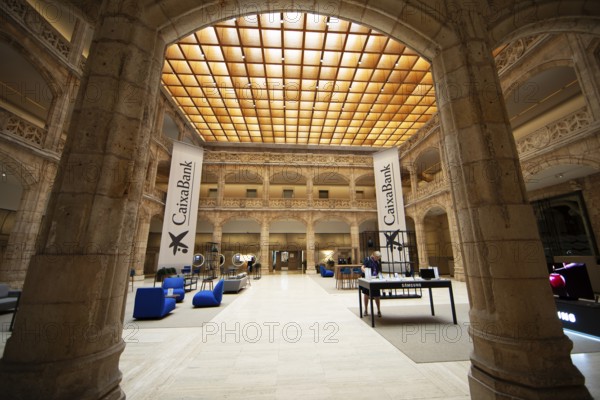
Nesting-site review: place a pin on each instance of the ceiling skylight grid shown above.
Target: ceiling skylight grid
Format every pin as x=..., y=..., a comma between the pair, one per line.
x=304, y=80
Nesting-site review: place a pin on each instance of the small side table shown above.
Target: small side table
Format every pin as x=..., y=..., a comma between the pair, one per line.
x=207, y=282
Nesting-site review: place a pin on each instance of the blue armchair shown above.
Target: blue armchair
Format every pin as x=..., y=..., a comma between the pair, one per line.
x=209, y=298
x=177, y=284
x=325, y=273
x=152, y=303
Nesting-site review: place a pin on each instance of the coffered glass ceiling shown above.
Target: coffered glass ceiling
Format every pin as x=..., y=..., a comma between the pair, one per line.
x=300, y=79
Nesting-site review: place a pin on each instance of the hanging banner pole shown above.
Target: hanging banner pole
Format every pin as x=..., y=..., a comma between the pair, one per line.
x=181, y=208
x=390, y=210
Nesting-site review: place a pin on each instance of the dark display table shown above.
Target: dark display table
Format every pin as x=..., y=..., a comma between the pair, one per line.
x=404, y=283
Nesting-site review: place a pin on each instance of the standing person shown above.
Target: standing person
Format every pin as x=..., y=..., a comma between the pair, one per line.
x=250, y=264
x=374, y=263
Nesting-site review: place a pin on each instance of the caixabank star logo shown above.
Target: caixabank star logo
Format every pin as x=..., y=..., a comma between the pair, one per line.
x=176, y=243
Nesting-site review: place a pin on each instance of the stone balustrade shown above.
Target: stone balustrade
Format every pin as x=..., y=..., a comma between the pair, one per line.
x=30, y=19
x=16, y=126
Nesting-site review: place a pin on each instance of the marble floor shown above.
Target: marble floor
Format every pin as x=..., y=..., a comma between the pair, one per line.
x=286, y=337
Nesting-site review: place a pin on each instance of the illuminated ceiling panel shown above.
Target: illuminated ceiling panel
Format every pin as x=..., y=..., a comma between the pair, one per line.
x=310, y=79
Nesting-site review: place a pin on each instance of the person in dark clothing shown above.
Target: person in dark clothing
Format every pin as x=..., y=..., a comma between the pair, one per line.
x=374, y=264
x=250, y=264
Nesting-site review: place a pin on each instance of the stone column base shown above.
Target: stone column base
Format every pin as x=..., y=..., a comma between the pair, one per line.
x=486, y=387
x=95, y=377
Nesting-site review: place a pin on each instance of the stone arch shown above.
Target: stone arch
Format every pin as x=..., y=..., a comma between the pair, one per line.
x=243, y=175
x=525, y=19
x=241, y=215
x=29, y=55
x=170, y=128
x=280, y=217
x=366, y=175
x=12, y=166
x=417, y=25
x=530, y=169
x=333, y=216
x=427, y=163
x=285, y=177
x=330, y=178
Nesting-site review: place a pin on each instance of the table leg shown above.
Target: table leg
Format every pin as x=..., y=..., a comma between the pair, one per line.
x=372, y=313
x=452, y=304
x=359, y=303
x=431, y=302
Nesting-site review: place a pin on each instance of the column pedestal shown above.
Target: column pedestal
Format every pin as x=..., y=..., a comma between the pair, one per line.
x=67, y=342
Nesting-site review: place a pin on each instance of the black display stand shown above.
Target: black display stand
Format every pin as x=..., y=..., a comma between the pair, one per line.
x=398, y=249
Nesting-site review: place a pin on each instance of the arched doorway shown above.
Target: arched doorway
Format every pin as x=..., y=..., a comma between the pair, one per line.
x=438, y=241
x=287, y=244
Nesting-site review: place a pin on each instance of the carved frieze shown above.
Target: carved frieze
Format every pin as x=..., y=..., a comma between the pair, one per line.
x=554, y=134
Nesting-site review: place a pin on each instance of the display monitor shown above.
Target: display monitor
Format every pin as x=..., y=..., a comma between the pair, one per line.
x=572, y=282
x=427, y=273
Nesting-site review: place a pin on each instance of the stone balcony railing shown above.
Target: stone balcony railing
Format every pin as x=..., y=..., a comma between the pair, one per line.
x=556, y=134
x=425, y=190
x=15, y=126
x=29, y=18
x=294, y=204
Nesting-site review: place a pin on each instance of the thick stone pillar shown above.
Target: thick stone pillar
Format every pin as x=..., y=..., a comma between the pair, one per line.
x=520, y=350
x=67, y=341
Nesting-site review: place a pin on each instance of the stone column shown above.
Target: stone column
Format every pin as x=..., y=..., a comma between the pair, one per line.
x=309, y=190
x=217, y=235
x=221, y=187
x=266, y=182
x=67, y=341
x=421, y=242
x=352, y=188
x=414, y=182
x=265, y=251
x=459, y=268
x=310, y=245
x=355, y=241
x=140, y=244
x=520, y=350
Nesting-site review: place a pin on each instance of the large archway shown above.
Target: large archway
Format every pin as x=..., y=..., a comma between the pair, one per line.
x=454, y=60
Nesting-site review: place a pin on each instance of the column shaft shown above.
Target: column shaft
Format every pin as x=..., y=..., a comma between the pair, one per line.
x=520, y=350
x=67, y=341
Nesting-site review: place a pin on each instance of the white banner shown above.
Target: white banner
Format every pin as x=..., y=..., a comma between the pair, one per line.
x=390, y=207
x=181, y=208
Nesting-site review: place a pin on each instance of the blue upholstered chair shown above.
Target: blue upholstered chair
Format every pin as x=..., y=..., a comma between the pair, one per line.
x=186, y=270
x=177, y=285
x=325, y=273
x=209, y=298
x=152, y=303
